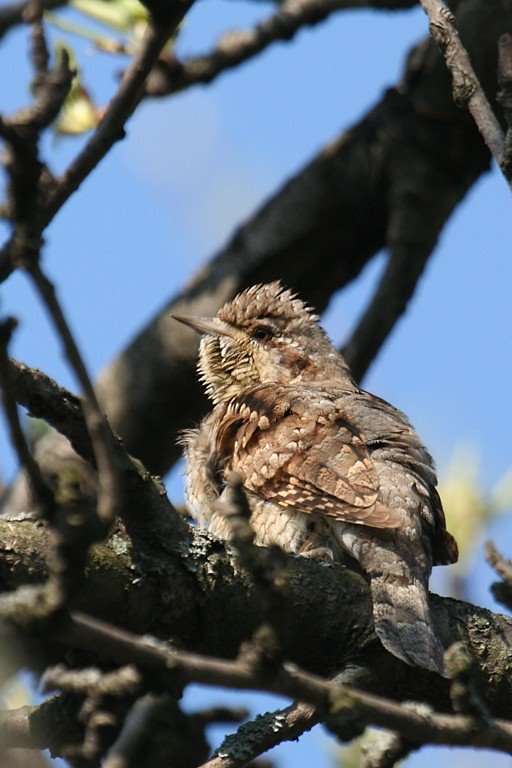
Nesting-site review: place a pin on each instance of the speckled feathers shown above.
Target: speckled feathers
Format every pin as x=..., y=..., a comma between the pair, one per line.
x=329, y=470
x=293, y=447
x=268, y=301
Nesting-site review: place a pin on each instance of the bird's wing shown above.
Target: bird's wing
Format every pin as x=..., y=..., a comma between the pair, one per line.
x=391, y=438
x=444, y=547
x=297, y=449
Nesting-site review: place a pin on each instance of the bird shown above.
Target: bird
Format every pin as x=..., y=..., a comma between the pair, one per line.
x=329, y=470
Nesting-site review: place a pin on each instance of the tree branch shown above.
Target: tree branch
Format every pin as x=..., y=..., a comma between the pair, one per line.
x=325, y=623
x=45, y=399
x=22, y=133
x=12, y=15
x=53, y=724
x=110, y=486
x=396, y=288
x=386, y=751
x=265, y=732
x=504, y=96
x=111, y=128
x=156, y=732
x=414, y=722
x=502, y=590
x=467, y=90
x=235, y=47
x=41, y=492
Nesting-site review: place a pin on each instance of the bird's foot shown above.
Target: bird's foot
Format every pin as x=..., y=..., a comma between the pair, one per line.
x=324, y=554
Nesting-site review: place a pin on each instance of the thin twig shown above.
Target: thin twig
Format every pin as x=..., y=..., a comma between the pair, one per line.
x=29, y=178
x=417, y=723
x=235, y=47
x=110, y=496
x=104, y=699
x=502, y=590
x=40, y=55
x=22, y=133
x=501, y=565
x=467, y=91
x=12, y=15
x=41, y=492
x=45, y=399
x=91, y=680
x=111, y=128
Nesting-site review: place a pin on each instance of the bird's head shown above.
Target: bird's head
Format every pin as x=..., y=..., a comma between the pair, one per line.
x=264, y=335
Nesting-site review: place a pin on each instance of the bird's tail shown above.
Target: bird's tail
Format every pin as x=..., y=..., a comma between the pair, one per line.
x=402, y=618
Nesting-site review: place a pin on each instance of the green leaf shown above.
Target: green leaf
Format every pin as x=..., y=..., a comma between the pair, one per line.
x=123, y=15
x=79, y=113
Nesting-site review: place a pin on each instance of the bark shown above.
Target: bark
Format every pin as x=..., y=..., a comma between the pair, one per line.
x=195, y=595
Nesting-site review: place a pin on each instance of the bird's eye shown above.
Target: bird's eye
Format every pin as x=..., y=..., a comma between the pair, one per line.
x=262, y=333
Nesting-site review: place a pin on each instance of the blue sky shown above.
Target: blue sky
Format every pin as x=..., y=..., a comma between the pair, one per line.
x=194, y=166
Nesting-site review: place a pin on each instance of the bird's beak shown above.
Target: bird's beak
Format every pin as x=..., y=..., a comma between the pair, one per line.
x=209, y=325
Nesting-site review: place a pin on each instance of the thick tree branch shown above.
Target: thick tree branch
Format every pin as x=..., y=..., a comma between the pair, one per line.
x=325, y=623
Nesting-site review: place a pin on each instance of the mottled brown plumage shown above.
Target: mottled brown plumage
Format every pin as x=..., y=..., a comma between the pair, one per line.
x=329, y=470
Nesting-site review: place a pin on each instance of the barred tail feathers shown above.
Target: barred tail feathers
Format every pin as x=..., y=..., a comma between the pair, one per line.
x=402, y=620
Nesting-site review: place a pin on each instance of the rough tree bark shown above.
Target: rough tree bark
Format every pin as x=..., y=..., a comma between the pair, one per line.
x=193, y=595
x=391, y=181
